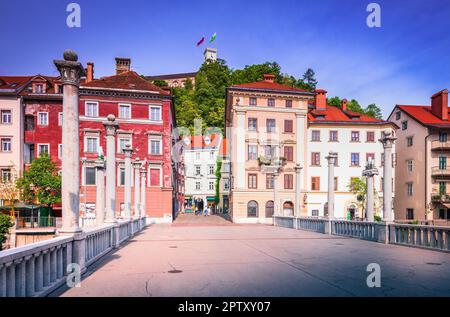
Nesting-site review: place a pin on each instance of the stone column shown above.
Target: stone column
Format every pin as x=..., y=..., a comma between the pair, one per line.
x=143, y=191
x=276, y=199
x=128, y=151
x=100, y=197
x=137, y=188
x=331, y=158
x=298, y=190
x=71, y=70
x=239, y=176
x=111, y=127
x=387, y=139
x=369, y=173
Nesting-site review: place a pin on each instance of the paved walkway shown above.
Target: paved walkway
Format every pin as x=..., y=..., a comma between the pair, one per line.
x=259, y=260
x=189, y=219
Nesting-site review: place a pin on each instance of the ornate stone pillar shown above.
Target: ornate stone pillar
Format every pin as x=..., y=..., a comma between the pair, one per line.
x=128, y=151
x=276, y=199
x=71, y=70
x=369, y=173
x=137, y=188
x=298, y=189
x=331, y=158
x=387, y=139
x=239, y=176
x=111, y=127
x=143, y=191
x=100, y=195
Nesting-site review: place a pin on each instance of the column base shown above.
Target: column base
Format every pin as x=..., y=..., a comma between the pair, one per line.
x=68, y=232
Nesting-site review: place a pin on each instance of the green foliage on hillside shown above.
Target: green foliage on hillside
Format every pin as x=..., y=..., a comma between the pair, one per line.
x=371, y=110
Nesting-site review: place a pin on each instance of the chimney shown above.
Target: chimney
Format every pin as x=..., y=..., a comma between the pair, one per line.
x=439, y=104
x=269, y=78
x=122, y=65
x=344, y=104
x=321, y=99
x=90, y=72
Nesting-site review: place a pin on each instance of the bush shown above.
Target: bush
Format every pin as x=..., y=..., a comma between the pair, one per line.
x=377, y=218
x=5, y=225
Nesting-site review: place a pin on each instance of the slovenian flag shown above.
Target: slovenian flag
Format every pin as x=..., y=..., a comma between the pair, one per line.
x=213, y=37
x=201, y=41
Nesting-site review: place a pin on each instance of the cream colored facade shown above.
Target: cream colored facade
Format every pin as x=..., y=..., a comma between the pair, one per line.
x=246, y=171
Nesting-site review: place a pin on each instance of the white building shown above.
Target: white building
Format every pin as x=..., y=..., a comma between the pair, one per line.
x=200, y=162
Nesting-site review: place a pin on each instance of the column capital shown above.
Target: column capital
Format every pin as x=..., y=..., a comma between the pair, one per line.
x=298, y=168
x=128, y=151
x=100, y=164
x=387, y=139
x=143, y=171
x=137, y=164
x=70, y=69
x=331, y=157
x=240, y=112
x=111, y=125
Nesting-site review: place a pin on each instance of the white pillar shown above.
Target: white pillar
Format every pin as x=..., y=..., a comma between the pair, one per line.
x=128, y=177
x=239, y=176
x=71, y=70
x=369, y=200
x=298, y=188
x=387, y=139
x=143, y=191
x=276, y=199
x=100, y=195
x=111, y=127
x=137, y=188
x=331, y=163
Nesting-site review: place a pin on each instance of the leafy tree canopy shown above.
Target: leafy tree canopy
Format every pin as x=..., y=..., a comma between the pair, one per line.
x=371, y=110
x=5, y=225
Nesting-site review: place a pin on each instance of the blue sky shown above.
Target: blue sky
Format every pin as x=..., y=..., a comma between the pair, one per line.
x=403, y=62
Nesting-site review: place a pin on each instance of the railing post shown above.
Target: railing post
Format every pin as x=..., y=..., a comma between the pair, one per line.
x=79, y=251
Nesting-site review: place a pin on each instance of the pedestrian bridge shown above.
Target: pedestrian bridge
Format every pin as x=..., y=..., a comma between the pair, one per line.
x=208, y=256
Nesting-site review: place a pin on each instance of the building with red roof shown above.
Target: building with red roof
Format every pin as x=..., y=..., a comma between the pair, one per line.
x=423, y=157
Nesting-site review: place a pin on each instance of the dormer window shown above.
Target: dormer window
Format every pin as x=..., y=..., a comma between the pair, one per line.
x=38, y=88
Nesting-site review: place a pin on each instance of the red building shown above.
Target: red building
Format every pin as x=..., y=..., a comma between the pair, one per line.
x=146, y=118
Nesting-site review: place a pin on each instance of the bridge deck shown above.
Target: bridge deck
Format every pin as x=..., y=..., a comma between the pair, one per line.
x=259, y=260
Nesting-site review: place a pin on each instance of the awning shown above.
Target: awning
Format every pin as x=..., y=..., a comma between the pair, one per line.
x=209, y=198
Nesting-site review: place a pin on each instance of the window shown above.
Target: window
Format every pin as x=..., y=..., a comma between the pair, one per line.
x=211, y=185
x=315, y=213
x=409, y=165
x=409, y=213
x=336, y=160
x=252, y=152
x=89, y=176
x=269, y=181
x=29, y=123
x=125, y=111
x=398, y=115
x=270, y=125
x=155, y=113
x=6, y=175
x=211, y=169
x=409, y=141
x=370, y=156
x=252, y=124
x=60, y=119
x=91, y=145
x=43, y=148
x=155, y=147
x=155, y=177
x=252, y=181
x=409, y=189
x=197, y=156
x=370, y=136
x=288, y=103
x=60, y=151
x=253, y=101
x=333, y=136
x=315, y=135
x=288, y=181
x=6, y=145
x=226, y=184
x=271, y=102
x=354, y=159
x=442, y=162
x=442, y=136
x=315, y=183
x=289, y=153
x=288, y=126
x=198, y=170
x=270, y=151
x=269, y=209
x=252, y=209
x=197, y=186
x=6, y=117
x=211, y=155
x=122, y=144
x=354, y=136
x=42, y=118
x=315, y=159
x=38, y=88
x=91, y=109
x=405, y=125
x=442, y=188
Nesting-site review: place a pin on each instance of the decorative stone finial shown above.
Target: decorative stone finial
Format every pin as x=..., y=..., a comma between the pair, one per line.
x=70, y=55
x=111, y=117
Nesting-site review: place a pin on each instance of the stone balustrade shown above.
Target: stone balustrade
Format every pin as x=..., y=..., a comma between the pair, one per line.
x=429, y=237
x=38, y=269
x=282, y=221
x=356, y=229
x=312, y=224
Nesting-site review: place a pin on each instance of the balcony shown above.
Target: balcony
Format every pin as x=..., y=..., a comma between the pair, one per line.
x=438, y=172
x=440, y=198
x=440, y=146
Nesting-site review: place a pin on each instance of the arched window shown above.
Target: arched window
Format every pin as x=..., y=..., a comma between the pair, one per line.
x=252, y=209
x=288, y=208
x=269, y=209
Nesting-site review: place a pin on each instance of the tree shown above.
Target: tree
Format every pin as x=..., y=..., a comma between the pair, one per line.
x=374, y=111
x=371, y=110
x=41, y=182
x=358, y=187
x=5, y=225
x=160, y=83
x=309, y=79
x=9, y=191
x=218, y=178
x=252, y=73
